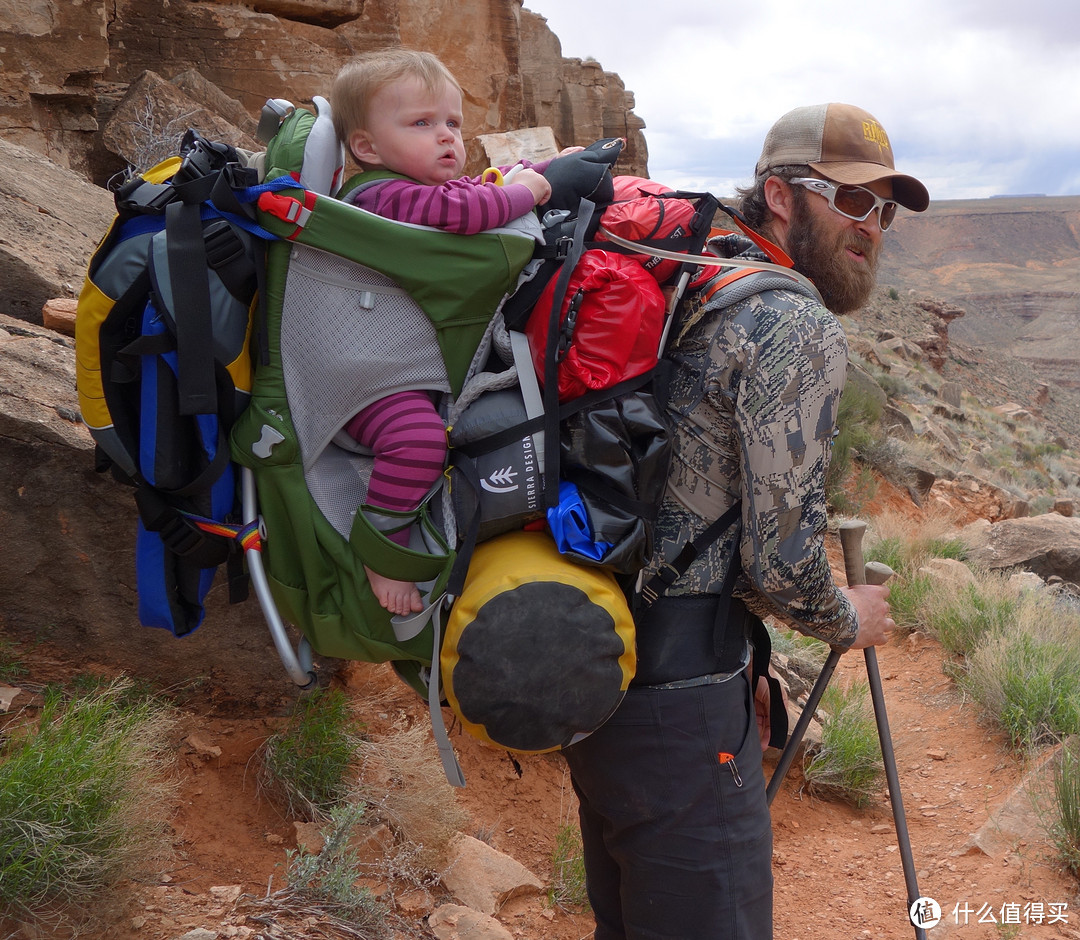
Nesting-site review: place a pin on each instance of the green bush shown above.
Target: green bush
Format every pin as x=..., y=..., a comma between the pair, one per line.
x=963, y=618
x=309, y=763
x=81, y=801
x=847, y=764
x=1065, y=802
x=1031, y=686
x=908, y=598
x=567, y=889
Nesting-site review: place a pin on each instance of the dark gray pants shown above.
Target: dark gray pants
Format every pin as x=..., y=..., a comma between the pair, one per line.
x=678, y=844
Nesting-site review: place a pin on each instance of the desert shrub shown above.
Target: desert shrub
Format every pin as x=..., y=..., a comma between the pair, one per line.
x=1042, y=503
x=327, y=880
x=567, y=889
x=403, y=785
x=1034, y=452
x=81, y=802
x=894, y=386
x=964, y=618
x=1063, y=803
x=309, y=763
x=847, y=764
x=1027, y=678
x=908, y=596
x=905, y=545
x=891, y=551
x=888, y=456
x=858, y=424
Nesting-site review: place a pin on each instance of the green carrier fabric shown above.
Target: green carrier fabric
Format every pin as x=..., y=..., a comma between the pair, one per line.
x=335, y=266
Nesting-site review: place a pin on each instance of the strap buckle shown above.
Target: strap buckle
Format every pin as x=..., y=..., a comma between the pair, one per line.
x=667, y=574
x=145, y=198
x=223, y=245
x=563, y=245
x=566, y=333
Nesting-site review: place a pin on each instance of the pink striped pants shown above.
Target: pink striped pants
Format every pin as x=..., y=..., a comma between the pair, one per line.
x=409, y=440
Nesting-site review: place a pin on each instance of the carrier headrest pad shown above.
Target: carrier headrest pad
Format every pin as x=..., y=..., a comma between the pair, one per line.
x=324, y=154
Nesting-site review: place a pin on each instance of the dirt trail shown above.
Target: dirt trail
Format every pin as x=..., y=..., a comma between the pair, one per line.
x=838, y=872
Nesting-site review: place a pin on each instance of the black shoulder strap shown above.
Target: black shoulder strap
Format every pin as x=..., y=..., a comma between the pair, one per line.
x=187, y=272
x=670, y=571
x=551, y=359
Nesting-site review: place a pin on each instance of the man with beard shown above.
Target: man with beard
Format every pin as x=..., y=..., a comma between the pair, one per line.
x=675, y=825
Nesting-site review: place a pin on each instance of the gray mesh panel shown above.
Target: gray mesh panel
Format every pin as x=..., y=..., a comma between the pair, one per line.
x=338, y=482
x=348, y=337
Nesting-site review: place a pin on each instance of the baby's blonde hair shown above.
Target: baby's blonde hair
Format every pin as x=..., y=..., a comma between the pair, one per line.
x=360, y=78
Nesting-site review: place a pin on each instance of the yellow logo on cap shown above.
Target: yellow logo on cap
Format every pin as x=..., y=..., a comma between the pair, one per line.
x=874, y=133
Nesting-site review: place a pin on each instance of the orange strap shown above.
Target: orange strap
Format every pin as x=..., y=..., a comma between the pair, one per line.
x=774, y=252
x=723, y=282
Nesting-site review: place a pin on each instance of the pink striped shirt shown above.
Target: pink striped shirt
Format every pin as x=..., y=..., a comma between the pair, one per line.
x=464, y=206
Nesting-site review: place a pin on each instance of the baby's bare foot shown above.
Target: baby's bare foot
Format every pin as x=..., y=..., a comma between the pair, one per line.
x=398, y=597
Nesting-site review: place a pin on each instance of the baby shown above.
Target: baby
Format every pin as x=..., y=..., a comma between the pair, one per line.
x=401, y=111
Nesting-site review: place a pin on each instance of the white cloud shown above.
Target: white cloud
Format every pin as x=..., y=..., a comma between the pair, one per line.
x=978, y=96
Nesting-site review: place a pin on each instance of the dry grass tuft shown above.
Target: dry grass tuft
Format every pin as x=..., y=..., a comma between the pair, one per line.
x=402, y=784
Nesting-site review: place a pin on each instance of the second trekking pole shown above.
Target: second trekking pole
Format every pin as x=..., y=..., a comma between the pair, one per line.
x=851, y=534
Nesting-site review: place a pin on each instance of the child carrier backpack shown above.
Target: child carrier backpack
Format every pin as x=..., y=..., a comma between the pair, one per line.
x=163, y=330
x=330, y=265
x=522, y=322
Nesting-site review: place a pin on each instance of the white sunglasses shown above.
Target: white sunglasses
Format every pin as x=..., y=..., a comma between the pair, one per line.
x=852, y=202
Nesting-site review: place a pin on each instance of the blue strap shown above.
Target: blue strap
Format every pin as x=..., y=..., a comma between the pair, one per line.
x=248, y=195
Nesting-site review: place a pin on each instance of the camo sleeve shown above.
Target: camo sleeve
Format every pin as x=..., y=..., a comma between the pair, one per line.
x=755, y=395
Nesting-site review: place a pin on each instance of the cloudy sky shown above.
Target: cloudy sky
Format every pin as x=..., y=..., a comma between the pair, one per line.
x=979, y=97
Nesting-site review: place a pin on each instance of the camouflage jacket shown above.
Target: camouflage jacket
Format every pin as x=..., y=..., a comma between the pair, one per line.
x=754, y=399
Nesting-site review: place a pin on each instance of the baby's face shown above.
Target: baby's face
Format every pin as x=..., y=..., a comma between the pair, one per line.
x=413, y=131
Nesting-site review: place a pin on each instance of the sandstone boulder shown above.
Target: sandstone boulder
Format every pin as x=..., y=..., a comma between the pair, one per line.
x=1048, y=545
x=53, y=220
x=69, y=65
x=454, y=922
x=483, y=878
x=152, y=118
x=948, y=573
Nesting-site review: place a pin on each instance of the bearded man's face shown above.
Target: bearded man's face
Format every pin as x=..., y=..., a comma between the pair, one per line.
x=841, y=262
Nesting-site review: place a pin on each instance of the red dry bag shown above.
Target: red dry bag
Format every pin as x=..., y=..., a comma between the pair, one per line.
x=610, y=324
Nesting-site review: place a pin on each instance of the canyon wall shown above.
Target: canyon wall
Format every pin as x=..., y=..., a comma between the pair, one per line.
x=66, y=66
x=1013, y=264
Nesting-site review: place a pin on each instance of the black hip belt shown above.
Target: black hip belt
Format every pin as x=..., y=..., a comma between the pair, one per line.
x=685, y=636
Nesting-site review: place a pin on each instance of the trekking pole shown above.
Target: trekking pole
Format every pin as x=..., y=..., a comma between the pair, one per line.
x=799, y=731
x=851, y=534
x=874, y=573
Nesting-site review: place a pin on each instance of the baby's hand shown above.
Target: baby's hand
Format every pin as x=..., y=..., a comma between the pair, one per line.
x=566, y=151
x=536, y=184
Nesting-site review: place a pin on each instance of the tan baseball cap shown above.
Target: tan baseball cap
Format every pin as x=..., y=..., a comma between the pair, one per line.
x=843, y=143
